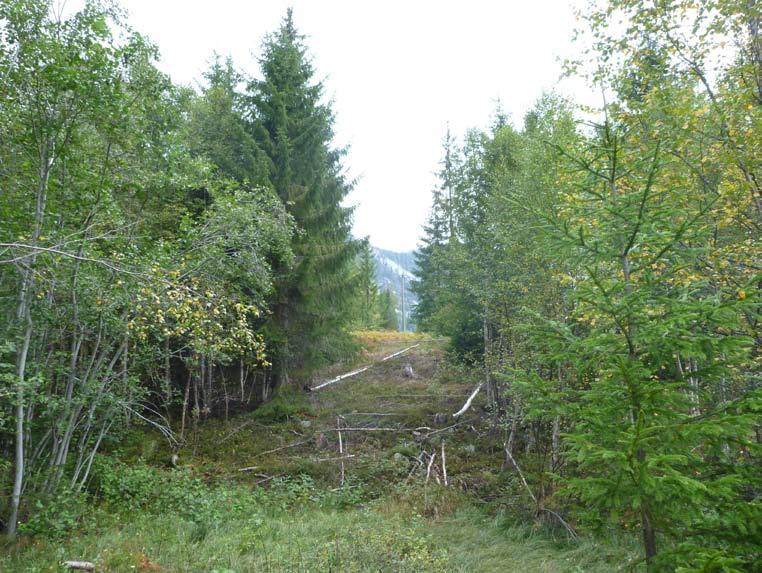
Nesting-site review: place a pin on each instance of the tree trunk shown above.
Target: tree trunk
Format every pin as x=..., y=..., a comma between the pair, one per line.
x=186, y=399
x=555, y=455
x=649, y=538
x=18, y=478
x=492, y=390
x=24, y=319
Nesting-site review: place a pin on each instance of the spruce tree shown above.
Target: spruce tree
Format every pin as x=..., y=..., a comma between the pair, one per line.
x=367, y=316
x=218, y=131
x=430, y=283
x=294, y=127
x=387, y=310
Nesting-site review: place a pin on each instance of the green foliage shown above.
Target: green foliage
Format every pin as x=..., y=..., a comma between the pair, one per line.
x=158, y=244
x=59, y=515
x=387, y=310
x=140, y=238
x=287, y=403
x=372, y=309
x=295, y=129
x=367, y=300
x=137, y=487
x=218, y=132
x=605, y=276
x=319, y=539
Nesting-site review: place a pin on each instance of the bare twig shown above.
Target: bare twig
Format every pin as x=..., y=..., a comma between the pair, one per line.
x=234, y=432
x=374, y=414
x=165, y=430
x=418, y=463
x=444, y=429
x=281, y=448
x=572, y=533
x=419, y=396
x=341, y=447
x=521, y=474
x=336, y=459
x=400, y=352
x=342, y=377
x=368, y=430
x=35, y=249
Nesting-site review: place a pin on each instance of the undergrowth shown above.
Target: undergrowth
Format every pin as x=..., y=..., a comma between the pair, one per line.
x=260, y=492
x=147, y=519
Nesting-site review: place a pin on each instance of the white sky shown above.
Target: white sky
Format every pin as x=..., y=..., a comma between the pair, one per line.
x=398, y=72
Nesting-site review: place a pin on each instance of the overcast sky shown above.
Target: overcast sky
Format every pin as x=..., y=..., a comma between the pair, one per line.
x=398, y=72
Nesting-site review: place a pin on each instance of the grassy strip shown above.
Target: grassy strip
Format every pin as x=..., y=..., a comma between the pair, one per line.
x=316, y=539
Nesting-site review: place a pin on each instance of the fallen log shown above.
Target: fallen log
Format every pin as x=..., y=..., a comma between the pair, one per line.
x=367, y=430
x=360, y=370
x=336, y=459
x=79, y=565
x=339, y=378
x=444, y=429
x=400, y=352
x=374, y=414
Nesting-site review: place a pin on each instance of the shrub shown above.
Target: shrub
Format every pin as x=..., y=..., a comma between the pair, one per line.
x=55, y=516
x=286, y=404
x=140, y=487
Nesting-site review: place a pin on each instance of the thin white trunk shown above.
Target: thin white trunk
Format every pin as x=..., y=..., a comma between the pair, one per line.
x=24, y=319
x=692, y=383
x=431, y=463
x=444, y=464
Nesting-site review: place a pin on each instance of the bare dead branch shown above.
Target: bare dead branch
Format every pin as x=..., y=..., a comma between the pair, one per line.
x=281, y=448
x=467, y=405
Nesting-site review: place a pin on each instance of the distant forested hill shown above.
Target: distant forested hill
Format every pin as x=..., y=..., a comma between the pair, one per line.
x=392, y=270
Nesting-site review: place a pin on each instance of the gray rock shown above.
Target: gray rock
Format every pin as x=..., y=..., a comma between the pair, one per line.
x=398, y=457
x=305, y=423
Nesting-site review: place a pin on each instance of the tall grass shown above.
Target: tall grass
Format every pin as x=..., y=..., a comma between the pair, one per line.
x=319, y=540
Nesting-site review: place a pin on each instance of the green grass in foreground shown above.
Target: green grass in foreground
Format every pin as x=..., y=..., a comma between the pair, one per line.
x=208, y=516
x=316, y=539
x=147, y=519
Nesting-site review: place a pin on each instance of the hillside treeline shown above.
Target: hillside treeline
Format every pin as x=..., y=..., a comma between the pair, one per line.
x=603, y=268
x=166, y=253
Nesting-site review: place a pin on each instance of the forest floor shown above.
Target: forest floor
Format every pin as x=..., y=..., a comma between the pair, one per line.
x=263, y=491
